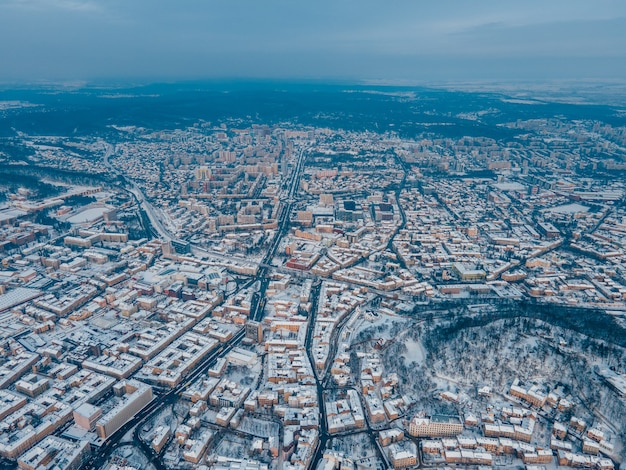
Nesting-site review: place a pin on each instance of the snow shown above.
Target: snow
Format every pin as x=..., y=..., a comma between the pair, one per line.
x=380, y=327
x=414, y=352
x=132, y=456
x=569, y=209
x=88, y=215
x=247, y=376
x=510, y=186
x=359, y=447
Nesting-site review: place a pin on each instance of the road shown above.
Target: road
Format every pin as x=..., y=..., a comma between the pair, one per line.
x=323, y=382
x=169, y=397
x=398, y=192
x=258, y=299
x=158, y=403
x=256, y=313
x=158, y=229
x=323, y=430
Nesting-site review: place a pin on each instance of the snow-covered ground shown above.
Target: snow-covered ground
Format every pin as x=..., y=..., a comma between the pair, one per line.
x=414, y=352
x=569, y=209
x=88, y=215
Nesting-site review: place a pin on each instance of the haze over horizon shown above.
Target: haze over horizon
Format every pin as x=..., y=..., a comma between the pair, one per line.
x=405, y=40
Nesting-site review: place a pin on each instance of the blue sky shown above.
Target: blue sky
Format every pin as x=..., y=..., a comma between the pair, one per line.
x=416, y=40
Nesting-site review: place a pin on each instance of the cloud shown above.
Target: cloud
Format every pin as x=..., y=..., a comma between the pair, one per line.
x=95, y=38
x=594, y=38
x=87, y=6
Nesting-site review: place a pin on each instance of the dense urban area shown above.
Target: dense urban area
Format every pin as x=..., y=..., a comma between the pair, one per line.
x=230, y=292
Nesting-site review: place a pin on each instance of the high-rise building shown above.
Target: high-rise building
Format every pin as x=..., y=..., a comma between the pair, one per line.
x=254, y=331
x=133, y=396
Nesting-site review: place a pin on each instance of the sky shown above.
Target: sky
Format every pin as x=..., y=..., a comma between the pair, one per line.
x=394, y=40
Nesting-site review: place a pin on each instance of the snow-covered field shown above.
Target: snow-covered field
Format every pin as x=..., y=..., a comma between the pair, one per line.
x=414, y=352
x=88, y=215
x=569, y=209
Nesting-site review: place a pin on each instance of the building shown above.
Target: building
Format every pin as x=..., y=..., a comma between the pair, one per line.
x=177, y=360
x=469, y=275
x=86, y=416
x=590, y=447
x=548, y=230
x=133, y=396
x=242, y=357
x=541, y=456
x=195, y=448
x=532, y=395
x=389, y=436
x=10, y=402
x=17, y=365
x=402, y=457
x=436, y=426
x=161, y=437
x=44, y=415
x=55, y=453
x=254, y=331
x=228, y=394
x=559, y=430
x=181, y=246
x=228, y=463
x=203, y=173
